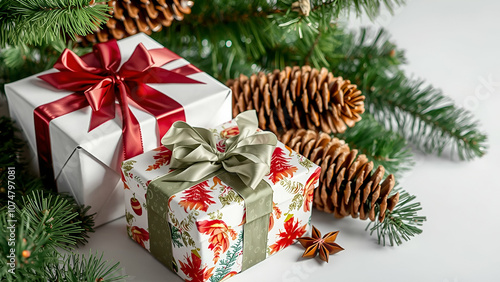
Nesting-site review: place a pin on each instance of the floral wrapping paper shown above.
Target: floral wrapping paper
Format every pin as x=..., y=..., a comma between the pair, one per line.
x=207, y=220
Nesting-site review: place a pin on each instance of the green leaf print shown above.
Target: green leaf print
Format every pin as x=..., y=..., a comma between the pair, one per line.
x=129, y=217
x=291, y=187
x=176, y=237
x=296, y=203
x=128, y=165
x=229, y=198
x=305, y=162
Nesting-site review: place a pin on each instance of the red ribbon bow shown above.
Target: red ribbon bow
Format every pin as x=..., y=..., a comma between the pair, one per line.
x=98, y=81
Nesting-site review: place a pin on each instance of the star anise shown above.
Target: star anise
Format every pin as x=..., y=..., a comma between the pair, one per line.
x=325, y=246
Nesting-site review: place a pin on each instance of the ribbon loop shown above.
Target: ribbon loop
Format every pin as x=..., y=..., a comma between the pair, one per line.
x=194, y=150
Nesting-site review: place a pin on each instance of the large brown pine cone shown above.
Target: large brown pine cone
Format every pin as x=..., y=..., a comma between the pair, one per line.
x=348, y=184
x=299, y=97
x=129, y=17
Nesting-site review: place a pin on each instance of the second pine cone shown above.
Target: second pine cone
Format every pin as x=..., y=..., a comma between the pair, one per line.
x=299, y=97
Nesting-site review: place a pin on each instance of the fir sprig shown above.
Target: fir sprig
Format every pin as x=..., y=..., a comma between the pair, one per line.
x=27, y=185
x=20, y=61
x=44, y=226
x=400, y=224
x=37, y=230
x=21, y=267
x=42, y=21
x=51, y=215
x=81, y=268
x=370, y=8
x=83, y=218
x=381, y=146
x=422, y=114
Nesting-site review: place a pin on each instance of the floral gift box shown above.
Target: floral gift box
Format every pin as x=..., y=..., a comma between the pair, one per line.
x=206, y=222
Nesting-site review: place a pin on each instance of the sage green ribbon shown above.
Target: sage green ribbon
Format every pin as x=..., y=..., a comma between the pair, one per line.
x=242, y=166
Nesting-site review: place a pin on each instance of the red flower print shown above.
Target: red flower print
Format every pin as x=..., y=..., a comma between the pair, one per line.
x=192, y=269
x=309, y=189
x=277, y=212
x=221, y=146
x=139, y=235
x=162, y=158
x=197, y=197
x=219, y=235
x=292, y=231
x=169, y=201
x=279, y=166
x=229, y=275
x=229, y=132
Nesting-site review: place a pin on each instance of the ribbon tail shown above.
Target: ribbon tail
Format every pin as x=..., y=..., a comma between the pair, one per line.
x=131, y=130
x=42, y=117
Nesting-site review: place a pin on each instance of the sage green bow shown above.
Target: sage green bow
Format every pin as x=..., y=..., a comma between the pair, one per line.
x=195, y=154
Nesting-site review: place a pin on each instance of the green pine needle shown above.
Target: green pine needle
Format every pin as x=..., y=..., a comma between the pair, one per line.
x=370, y=8
x=51, y=215
x=422, y=115
x=400, y=224
x=79, y=268
x=381, y=146
x=27, y=238
x=45, y=225
x=42, y=21
x=83, y=218
x=27, y=186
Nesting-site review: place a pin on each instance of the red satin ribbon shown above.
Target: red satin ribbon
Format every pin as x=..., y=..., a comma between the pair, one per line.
x=98, y=81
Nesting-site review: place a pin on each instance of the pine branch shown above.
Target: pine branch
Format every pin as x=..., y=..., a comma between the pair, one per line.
x=423, y=115
x=238, y=44
x=371, y=8
x=401, y=223
x=381, y=146
x=79, y=268
x=40, y=227
x=44, y=225
x=42, y=21
x=51, y=215
x=27, y=185
x=29, y=257
x=11, y=149
x=83, y=218
x=17, y=62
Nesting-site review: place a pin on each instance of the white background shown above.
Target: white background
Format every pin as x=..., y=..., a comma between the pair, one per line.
x=455, y=46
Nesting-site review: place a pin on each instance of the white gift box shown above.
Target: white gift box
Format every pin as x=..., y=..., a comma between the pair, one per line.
x=87, y=164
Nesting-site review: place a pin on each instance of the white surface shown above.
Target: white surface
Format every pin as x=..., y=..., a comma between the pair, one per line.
x=454, y=45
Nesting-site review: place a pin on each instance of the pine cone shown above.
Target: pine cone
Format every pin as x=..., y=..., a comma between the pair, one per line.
x=129, y=17
x=299, y=98
x=347, y=184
